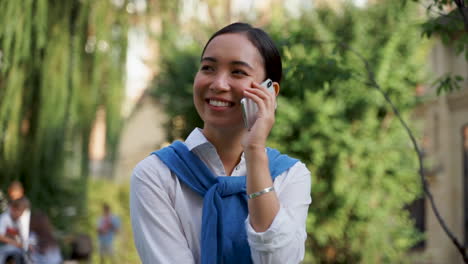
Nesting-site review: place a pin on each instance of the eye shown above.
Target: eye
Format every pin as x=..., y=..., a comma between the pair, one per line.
x=206, y=68
x=239, y=72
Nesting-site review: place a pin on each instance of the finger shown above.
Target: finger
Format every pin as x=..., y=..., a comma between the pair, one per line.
x=264, y=89
x=256, y=98
x=265, y=95
x=260, y=93
x=260, y=100
x=260, y=87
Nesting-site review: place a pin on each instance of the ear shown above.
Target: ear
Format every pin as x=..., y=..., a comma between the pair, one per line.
x=276, y=86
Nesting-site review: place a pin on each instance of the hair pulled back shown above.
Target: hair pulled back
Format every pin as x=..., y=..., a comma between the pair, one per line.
x=263, y=43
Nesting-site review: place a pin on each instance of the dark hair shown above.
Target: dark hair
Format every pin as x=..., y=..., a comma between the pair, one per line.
x=42, y=227
x=16, y=184
x=21, y=203
x=264, y=44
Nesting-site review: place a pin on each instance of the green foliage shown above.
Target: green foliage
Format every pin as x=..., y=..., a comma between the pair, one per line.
x=117, y=196
x=59, y=62
x=364, y=169
x=452, y=29
x=448, y=83
x=173, y=88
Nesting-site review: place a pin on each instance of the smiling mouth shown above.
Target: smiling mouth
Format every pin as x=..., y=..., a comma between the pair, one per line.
x=219, y=103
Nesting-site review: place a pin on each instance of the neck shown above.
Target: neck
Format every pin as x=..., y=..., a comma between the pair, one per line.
x=228, y=145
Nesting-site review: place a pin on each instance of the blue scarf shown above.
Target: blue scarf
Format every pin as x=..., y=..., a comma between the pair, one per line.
x=223, y=237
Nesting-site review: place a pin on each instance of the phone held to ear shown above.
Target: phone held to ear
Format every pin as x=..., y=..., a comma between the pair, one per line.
x=250, y=108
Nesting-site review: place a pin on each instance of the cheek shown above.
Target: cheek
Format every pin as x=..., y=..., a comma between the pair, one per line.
x=199, y=83
x=196, y=87
x=198, y=93
x=239, y=87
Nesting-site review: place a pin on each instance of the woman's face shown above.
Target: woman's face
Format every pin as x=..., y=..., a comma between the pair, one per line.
x=229, y=65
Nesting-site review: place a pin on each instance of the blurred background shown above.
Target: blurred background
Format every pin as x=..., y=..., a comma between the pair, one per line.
x=90, y=88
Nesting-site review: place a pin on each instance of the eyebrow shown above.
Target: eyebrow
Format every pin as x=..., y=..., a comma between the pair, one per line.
x=241, y=63
x=208, y=59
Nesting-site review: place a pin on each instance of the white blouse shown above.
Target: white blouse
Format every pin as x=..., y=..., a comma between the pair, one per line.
x=166, y=215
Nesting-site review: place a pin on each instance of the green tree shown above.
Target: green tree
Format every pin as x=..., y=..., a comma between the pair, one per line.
x=364, y=169
x=447, y=19
x=59, y=62
x=363, y=166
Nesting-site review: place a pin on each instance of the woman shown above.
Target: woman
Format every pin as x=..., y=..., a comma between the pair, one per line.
x=191, y=202
x=44, y=246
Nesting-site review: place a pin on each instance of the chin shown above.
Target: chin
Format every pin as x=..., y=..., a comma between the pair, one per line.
x=226, y=125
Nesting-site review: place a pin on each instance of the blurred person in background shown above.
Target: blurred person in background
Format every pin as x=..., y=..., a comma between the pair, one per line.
x=81, y=249
x=108, y=225
x=14, y=241
x=44, y=248
x=222, y=196
x=15, y=190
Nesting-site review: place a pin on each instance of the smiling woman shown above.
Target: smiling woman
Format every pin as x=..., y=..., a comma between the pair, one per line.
x=222, y=196
x=224, y=74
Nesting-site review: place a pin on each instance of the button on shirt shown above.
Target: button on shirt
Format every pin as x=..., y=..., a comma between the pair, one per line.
x=166, y=215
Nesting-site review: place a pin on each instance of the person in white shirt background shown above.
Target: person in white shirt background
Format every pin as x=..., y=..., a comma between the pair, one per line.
x=170, y=218
x=16, y=192
x=14, y=235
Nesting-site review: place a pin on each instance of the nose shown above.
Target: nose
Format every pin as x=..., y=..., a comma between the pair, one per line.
x=220, y=84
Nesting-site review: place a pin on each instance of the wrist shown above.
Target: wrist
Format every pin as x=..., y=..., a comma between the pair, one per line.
x=254, y=148
x=256, y=157
x=255, y=154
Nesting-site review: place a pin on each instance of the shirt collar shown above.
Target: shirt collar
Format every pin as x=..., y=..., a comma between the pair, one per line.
x=196, y=139
x=199, y=144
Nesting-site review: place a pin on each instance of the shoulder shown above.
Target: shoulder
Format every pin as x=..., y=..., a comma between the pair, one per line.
x=5, y=216
x=294, y=185
x=296, y=174
x=5, y=220
x=149, y=168
x=151, y=171
x=300, y=167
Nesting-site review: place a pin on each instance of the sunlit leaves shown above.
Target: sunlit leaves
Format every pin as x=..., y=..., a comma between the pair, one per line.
x=50, y=90
x=363, y=169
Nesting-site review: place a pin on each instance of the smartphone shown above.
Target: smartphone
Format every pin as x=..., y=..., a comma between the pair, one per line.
x=250, y=108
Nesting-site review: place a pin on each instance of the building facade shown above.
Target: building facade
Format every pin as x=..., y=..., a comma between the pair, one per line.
x=446, y=155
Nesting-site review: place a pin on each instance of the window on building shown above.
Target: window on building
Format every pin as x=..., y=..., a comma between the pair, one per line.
x=417, y=210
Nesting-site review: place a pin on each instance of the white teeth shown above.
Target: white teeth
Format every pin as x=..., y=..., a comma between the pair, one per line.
x=218, y=103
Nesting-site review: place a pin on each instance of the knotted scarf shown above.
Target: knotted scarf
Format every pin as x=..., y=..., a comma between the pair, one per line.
x=223, y=236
